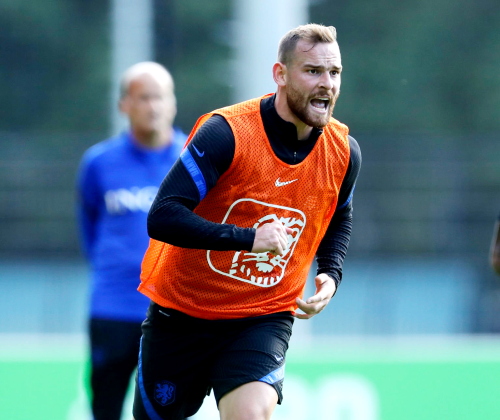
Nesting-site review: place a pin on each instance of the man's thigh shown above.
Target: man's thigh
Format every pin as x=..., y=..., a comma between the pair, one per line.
x=256, y=353
x=253, y=400
x=172, y=378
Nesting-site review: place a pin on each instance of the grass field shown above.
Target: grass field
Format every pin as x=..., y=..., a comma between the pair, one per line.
x=418, y=378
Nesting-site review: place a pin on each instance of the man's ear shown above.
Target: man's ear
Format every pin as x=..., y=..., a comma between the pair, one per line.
x=124, y=105
x=279, y=74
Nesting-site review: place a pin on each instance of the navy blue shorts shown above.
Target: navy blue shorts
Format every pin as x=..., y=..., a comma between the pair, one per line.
x=182, y=359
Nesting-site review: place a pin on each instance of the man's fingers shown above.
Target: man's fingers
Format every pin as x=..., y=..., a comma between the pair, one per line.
x=302, y=316
x=278, y=250
x=316, y=298
x=284, y=237
x=303, y=307
x=272, y=237
x=325, y=286
x=315, y=304
x=300, y=302
x=310, y=308
x=284, y=243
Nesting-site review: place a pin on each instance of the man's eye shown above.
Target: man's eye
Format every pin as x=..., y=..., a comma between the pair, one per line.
x=313, y=71
x=334, y=72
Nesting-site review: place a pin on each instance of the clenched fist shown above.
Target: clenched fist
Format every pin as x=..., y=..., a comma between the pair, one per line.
x=271, y=237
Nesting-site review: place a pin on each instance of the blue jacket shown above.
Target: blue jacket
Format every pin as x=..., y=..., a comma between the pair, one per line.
x=117, y=182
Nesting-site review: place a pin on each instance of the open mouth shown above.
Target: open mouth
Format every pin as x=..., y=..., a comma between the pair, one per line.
x=320, y=104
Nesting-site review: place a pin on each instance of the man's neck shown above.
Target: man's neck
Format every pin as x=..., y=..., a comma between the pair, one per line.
x=155, y=139
x=284, y=111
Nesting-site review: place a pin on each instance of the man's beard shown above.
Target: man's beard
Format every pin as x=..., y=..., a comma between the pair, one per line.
x=300, y=107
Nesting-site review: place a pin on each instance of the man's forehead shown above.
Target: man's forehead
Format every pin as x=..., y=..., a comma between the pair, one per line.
x=161, y=79
x=148, y=80
x=306, y=51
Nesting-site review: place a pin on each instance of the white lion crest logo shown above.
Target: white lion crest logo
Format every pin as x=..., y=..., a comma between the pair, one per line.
x=264, y=269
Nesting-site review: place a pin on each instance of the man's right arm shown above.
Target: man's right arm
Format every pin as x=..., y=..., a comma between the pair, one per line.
x=171, y=218
x=87, y=203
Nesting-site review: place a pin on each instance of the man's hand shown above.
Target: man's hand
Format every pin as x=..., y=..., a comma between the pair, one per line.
x=325, y=289
x=271, y=237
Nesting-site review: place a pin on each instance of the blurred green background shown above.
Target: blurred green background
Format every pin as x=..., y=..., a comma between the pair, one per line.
x=420, y=93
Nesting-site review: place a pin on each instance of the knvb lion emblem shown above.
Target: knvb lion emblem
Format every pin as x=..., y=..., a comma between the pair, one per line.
x=263, y=269
x=164, y=392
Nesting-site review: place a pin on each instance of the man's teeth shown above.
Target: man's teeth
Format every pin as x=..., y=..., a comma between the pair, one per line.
x=320, y=103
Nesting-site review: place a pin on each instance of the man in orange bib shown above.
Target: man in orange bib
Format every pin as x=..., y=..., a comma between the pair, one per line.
x=261, y=189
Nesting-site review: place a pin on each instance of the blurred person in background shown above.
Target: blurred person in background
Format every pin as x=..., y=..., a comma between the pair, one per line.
x=117, y=182
x=495, y=247
x=264, y=185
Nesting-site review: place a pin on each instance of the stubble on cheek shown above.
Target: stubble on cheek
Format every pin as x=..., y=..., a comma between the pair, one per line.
x=302, y=108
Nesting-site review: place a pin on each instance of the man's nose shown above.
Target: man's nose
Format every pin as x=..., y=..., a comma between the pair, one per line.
x=326, y=81
x=154, y=104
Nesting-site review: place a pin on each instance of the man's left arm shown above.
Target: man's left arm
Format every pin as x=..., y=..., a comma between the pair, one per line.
x=333, y=247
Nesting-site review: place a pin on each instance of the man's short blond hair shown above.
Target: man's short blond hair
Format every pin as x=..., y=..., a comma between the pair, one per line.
x=312, y=33
x=146, y=67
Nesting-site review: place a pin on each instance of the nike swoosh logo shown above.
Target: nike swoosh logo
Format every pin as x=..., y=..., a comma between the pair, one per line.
x=198, y=152
x=280, y=184
x=279, y=359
